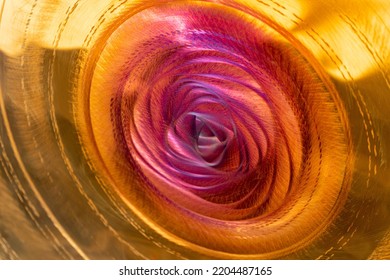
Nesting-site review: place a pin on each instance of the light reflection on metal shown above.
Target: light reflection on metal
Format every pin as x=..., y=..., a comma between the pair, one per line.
x=194, y=129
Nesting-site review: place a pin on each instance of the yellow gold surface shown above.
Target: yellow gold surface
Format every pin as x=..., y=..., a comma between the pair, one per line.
x=68, y=191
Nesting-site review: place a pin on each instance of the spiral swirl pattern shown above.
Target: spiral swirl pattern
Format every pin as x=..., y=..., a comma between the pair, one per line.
x=219, y=132
x=180, y=129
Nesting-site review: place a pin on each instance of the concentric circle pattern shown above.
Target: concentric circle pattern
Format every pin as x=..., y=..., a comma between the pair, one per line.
x=196, y=129
x=214, y=118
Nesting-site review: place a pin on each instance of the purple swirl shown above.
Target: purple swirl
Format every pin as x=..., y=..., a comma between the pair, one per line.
x=216, y=129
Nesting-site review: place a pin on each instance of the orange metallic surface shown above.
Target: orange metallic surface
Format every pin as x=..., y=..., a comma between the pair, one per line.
x=194, y=129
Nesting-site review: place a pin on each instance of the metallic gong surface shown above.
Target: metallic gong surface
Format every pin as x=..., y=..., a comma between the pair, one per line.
x=194, y=129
